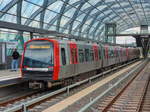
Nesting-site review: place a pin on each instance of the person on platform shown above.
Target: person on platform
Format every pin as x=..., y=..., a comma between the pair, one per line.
x=15, y=59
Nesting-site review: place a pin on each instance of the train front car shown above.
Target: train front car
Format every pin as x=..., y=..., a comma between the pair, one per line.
x=38, y=62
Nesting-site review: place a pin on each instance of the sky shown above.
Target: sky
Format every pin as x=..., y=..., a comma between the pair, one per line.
x=127, y=40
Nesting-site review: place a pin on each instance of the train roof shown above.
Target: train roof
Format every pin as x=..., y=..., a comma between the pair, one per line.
x=86, y=42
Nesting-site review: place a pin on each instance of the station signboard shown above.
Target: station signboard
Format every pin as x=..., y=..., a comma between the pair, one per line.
x=12, y=44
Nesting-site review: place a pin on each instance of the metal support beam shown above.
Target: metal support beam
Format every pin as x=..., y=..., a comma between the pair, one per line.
x=19, y=7
x=75, y=16
x=130, y=34
x=66, y=9
x=37, y=12
x=23, y=28
x=7, y=7
x=61, y=14
x=43, y=13
x=20, y=33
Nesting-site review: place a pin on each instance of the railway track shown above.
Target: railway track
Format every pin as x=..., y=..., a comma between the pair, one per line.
x=22, y=97
x=50, y=97
x=134, y=97
x=145, y=104
x=18, y=96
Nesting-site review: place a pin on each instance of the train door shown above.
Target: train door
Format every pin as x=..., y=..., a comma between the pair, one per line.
x=73, y=57
x=64, y=68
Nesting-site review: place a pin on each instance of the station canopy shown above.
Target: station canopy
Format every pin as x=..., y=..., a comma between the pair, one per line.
x=84, y=18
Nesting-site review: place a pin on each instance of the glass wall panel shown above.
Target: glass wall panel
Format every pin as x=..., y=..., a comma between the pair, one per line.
x=28, y=9
x=3, y=3
x=56, y=6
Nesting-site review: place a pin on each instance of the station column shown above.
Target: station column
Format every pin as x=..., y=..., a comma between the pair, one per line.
x=143, y=40
x=110, y=29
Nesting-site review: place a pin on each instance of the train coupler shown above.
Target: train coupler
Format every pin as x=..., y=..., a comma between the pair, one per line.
x=36, y=85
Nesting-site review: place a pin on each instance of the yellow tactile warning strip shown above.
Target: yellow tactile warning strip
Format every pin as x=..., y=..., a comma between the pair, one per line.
x=74, y=98
x=6, y=75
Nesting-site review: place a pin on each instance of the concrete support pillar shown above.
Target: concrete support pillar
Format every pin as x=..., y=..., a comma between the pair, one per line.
x=144, y=43
x=138, y=41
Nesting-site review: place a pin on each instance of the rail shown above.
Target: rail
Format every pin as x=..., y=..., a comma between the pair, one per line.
x=116, y=85
x=24, y=106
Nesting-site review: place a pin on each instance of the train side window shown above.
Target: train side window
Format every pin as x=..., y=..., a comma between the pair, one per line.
x=117, y=53
x=96, y=53
x=104, y=53
x=63, y=56
x=91, y=55
x=86, y=54
x=99, y=54
x=112, y=53
x=74, y=55
x=81, y=55
x=109, y=53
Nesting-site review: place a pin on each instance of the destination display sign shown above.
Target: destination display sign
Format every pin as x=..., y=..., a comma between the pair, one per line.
x=39, y=46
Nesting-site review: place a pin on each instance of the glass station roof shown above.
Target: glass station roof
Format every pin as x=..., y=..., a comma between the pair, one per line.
x=84, y=18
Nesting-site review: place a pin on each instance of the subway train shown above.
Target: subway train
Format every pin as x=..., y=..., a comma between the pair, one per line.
x=46, y=61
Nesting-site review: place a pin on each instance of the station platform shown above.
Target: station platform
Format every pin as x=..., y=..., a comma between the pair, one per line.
x=8, y=77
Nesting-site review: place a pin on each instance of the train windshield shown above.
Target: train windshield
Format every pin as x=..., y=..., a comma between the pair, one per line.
x=39, y=54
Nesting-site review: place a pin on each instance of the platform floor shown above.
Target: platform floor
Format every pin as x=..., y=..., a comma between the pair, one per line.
x=7, y=74
x=8, y=77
